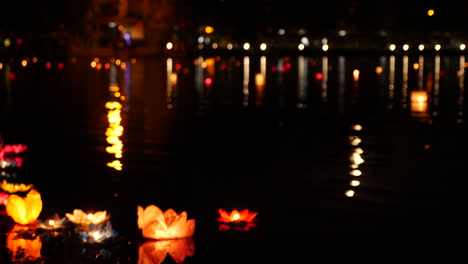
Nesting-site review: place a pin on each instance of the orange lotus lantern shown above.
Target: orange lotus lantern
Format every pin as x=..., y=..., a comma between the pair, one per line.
x=158, y=225
x=242, y=220
x=26, y=249
x=24, y=210
x=155, y=252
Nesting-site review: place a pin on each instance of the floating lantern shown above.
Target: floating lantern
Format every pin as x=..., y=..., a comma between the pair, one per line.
x=243, y=220
x=97, y=233
x=53, y=223
x=15, y=187
x=155, y=252
x=82, y=219
x=419, y=101
x=24, y=210
x=23, y=249
x=158, y=225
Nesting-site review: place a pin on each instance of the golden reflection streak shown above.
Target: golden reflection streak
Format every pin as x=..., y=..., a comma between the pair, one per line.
x=171, y=84
x=114, y=131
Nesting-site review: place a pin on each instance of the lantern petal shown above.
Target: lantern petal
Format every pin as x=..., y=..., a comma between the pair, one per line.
x=33, y=203
x=148, y=215
x=170, y=216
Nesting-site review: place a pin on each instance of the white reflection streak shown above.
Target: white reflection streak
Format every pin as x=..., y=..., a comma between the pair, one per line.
x=324, y=78
x=421, y=73
x=341, y=83
x=302, y=82
x=404, y=91
x=436, y=83
x=461, y=92
x=263, y=66
x=355, y=160
x=245, y=83
x=171, y=80
x=391, y=81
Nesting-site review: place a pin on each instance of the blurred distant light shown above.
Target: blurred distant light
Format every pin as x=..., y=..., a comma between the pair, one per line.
x=201, y=39
x=430, y=12
x=24, y=63
x=117, y=62
x=169, y=45
x=342, y=33
x=208, y=81
x=19, y=41
x=462, y=46
x=107, y=66
x=128, y=39
x=324, y=41
x=263, y=46
x=421, y=47
x=405, y=47
x=12, y=76
x=319, y=76
x=60, y=65
x=229, y=46
x=34, y=59
x=355, y=183
x=200, y=46
x=355, y=173
x=93, y=64
x=357, y=127
x=214, y=45
x=246, y=46
x=437, y=47
x=300, y=46
x=325, y=47
x=416, y=66
x=112, y=24
x=48, y=65
x=392, y=47
x=349, y=193
x=209, y=29
x=1, y=65
x=378, y=70
x=305, y=41
x=207, y=40
x=133, y=60
x=281, y=31
x=356, y=75
x=7, y=42
x=120, y=28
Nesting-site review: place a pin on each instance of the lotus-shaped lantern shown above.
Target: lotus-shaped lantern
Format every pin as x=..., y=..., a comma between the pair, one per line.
x=236, y=219
x=84, y=220
x=24, y=210
x=15, y=187
x=154, y=252
x=158, y=225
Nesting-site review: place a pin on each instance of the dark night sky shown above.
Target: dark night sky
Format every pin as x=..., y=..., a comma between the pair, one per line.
x=244, y=14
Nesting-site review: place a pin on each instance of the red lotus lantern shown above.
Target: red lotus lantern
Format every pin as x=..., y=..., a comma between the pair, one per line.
x=238, y=220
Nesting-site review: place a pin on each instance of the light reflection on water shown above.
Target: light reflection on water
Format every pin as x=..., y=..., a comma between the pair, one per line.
x=181, y=134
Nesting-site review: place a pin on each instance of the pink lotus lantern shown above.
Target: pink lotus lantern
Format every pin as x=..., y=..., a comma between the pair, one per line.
x=3, y=198
x=239, y=220
x=156, y=224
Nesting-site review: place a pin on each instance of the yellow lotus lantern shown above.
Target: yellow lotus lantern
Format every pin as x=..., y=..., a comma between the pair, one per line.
x=15, y=187
x=24, y=210
x=80, y=218
x=158, y=225
x=28, y=249
x=155, y=252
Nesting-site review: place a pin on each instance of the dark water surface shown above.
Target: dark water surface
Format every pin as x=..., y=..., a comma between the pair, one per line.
x=282, y=151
